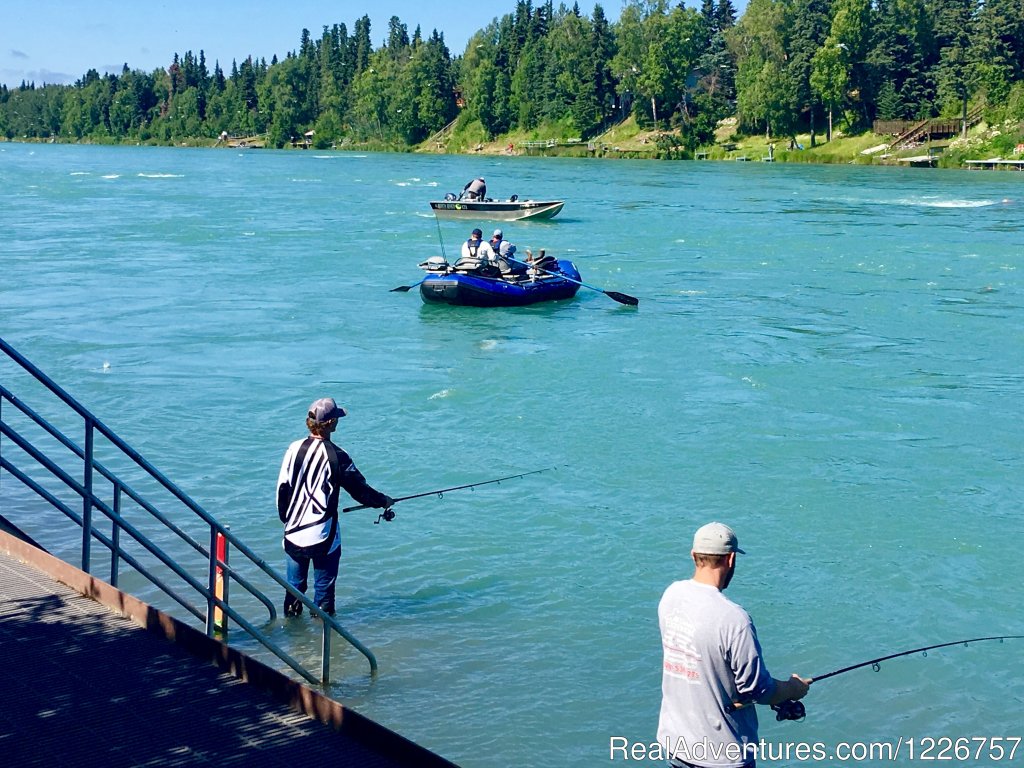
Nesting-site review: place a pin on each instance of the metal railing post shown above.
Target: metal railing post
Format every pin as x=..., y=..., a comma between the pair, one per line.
x=87, y=497
x=115, y=537
x=1, y=436
x=211, y=583
x=325, y=664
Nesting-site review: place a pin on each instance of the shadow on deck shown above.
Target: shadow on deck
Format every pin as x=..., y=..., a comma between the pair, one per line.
x=94, y=677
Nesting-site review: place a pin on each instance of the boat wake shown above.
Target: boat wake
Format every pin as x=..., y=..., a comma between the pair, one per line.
x=933, y=203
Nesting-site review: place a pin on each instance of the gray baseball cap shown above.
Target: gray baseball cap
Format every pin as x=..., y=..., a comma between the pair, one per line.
x=715, y=539
x=325, y=409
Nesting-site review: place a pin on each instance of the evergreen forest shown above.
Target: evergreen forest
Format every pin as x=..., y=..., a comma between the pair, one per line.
x=781, y=68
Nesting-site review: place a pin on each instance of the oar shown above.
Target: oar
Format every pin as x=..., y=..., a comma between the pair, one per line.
x=622, y=298
x=404, y=288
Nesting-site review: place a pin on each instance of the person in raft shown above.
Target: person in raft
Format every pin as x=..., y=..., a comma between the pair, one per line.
x=476, y=254
x=505, y=254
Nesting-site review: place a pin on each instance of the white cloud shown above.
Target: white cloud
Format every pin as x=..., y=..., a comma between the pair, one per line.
x=12, y=78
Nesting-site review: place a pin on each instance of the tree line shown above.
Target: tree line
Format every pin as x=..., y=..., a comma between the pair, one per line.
x=783, y=67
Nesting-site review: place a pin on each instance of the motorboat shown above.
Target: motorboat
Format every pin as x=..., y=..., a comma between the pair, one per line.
x=513, y=209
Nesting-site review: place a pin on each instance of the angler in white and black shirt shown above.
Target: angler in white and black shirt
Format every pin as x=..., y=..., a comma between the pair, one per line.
x=312, y=475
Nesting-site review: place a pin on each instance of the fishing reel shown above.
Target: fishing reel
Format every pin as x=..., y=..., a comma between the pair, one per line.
x=789, y=710
x=388, y=515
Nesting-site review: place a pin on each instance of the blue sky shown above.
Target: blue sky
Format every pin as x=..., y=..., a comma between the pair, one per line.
x=57, y=41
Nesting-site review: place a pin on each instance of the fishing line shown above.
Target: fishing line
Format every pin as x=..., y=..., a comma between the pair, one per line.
x=440, y=238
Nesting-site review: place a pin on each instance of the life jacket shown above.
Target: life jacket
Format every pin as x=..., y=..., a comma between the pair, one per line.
x=471, y=262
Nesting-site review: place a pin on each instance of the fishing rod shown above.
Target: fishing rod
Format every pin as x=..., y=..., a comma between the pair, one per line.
x=440, y=238
x=407, y=288
x=389, y=515
x=795, y=710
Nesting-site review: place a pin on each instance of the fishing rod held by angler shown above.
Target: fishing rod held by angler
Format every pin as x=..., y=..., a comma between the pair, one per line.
x=388, y=515
x=795, y=710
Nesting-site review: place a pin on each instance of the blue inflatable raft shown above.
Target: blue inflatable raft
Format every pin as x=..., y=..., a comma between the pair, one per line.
x=489, y=288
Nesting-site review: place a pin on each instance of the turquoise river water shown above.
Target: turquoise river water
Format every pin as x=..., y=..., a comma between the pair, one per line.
x=830, y=359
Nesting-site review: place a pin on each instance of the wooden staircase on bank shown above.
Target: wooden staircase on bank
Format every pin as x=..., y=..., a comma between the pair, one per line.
x=921, y=131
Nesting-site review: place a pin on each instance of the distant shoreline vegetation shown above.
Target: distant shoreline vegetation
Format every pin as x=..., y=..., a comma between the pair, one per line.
x=659, y=82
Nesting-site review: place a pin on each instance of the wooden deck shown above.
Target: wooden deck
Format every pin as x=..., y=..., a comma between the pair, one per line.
x=94, y=678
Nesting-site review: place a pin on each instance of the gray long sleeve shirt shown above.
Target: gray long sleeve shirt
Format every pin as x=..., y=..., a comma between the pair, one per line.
x=712, y=659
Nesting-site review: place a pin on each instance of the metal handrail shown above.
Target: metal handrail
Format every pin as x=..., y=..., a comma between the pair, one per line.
x=103, y=539
x=91, y=502
x=133, y=495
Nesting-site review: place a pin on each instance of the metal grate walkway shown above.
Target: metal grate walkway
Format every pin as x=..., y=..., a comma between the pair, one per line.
x=82, y=686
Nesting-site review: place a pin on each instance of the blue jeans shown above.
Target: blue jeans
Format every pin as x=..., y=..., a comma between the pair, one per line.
x=325, y=577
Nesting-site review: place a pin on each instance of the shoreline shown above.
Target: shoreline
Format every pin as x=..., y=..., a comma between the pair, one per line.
x=859, y=149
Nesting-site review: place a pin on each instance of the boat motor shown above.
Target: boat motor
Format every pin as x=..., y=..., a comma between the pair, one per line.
x=436, y=264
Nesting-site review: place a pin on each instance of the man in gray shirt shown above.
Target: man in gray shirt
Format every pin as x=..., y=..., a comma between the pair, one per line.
x=713, y=666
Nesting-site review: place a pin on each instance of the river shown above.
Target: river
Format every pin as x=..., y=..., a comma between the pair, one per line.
x=830, y=359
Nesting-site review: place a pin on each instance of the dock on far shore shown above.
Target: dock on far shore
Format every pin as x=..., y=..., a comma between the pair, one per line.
x=996, y=163
x=919, y=160
x=241, y=142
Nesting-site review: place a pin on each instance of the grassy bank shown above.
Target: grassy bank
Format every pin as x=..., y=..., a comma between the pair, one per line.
x=629, y=141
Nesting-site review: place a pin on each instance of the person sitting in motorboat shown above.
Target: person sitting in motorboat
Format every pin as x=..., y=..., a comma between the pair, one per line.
x=475, y=190
x=476, y=254
x=508, y=262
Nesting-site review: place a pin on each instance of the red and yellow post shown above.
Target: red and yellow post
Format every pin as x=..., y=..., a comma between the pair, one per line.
x=220, y=588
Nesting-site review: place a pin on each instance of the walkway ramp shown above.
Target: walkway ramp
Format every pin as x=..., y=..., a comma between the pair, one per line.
x=94, y=677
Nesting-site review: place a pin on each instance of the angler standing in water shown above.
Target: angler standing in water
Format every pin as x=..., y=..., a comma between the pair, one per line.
x=313, y=472
x=713, y=664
